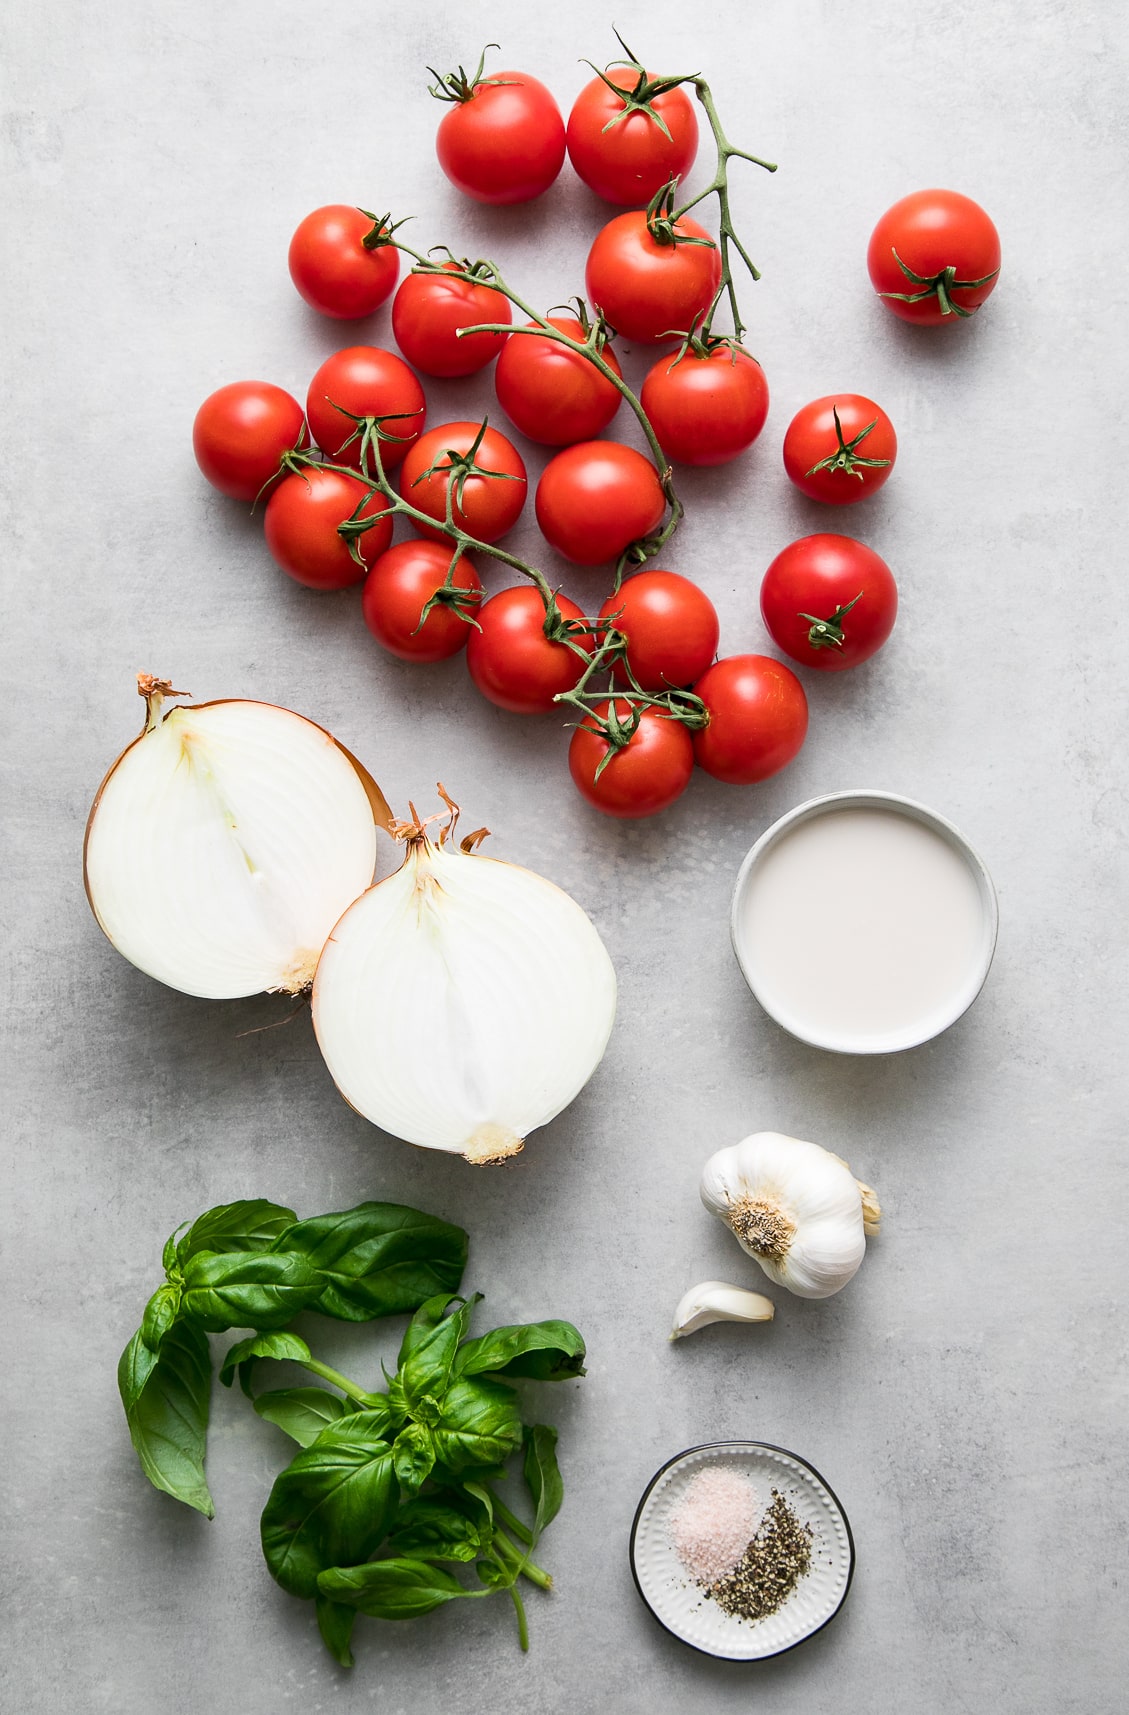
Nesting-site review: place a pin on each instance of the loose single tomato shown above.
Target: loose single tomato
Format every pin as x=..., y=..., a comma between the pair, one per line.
x=641, y=778
x=652, y=277
x=399, y=587
x=596, y=498
x=706, y=408
x=617, y=142
x=503, y=140
x=758, y=718
x=934, y=257
x=428, y=311
x=671, y=628
x=552, y=394
x=336, y=264
x=365, y=382
x=829, y=602
x=301, y=523
x=488, y=475
x=240, y=434
x=840, y=449
x=512, y=661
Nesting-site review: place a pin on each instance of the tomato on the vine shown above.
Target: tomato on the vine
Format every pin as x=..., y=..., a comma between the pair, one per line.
x=617, y=142
x=512, y=661
x=596, y=498
x=554, y=395
x=503, y=140
x=488, y=474
x=428, y=311
x=706, y=405
x=337, y=265
x=829, y=602
x=840, y=449
x=640, y=778
x=301, y=523
x=399, y=587
x=365, y=381
x=671, y=627
x=934, y=257
x=241, y=432
x=652, y=277
x=758, y=719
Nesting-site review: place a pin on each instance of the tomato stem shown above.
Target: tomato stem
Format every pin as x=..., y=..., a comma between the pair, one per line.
x=941, y=286
x=846, y=457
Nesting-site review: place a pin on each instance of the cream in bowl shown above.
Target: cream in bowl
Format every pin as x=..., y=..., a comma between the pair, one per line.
x=864, y=922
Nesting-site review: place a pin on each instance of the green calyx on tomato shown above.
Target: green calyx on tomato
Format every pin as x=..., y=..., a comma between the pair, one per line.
x=383, y=226
x=941, y=286
x=456, y=85
x=846, y=457
x=646, y=90
x=828, y=633
x=462, y=466
x=663, y=221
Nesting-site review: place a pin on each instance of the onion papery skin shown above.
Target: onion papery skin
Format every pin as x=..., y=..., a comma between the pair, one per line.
x=224, y=844
x=463, y=1002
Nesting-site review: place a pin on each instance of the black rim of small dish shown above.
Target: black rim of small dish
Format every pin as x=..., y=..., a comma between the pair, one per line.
x=728, y=1447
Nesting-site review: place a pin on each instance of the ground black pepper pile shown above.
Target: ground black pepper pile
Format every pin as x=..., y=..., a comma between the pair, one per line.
x=770, y=1567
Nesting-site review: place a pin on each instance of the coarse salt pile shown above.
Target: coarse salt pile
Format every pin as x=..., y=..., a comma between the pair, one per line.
x=714, y=1521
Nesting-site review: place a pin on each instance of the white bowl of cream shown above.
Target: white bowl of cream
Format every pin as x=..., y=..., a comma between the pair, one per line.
x=864, y=922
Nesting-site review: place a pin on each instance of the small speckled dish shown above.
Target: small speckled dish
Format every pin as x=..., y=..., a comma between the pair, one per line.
x=682, y=1607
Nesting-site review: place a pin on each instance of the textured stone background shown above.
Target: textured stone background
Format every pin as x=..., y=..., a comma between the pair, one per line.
x=962, y=1396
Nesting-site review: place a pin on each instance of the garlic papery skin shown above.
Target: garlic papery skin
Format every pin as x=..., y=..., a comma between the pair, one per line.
x=716, y=1301
x=463, y=1002
x=225, y=843
x=793, y=1206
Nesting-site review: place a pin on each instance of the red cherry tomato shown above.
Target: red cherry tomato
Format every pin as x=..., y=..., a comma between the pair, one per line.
x=642, y=778
x=399, y=587
x=301, y=528
x=596, y=498
x=829, y=602
x=367, y=382
x=706, y=410
x=429, y=309
x=843, y=461
x=552, y=394
x=332, y=268
x=503, y=141
x=651, y=291
x=671, y=628
x=240, y=433
x=758, y=719
x=489, y=502
x=512, y=661
x=934, y=257
x=628, y=159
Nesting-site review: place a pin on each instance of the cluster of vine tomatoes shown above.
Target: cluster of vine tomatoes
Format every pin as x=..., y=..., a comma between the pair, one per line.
x=654, y=276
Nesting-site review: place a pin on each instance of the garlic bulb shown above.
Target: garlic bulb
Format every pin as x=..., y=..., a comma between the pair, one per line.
x=716, y=1301
x=462, y=1002
x=795, y=1207
x=225, y=842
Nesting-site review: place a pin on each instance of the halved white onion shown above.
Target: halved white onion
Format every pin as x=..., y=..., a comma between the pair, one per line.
x=224, y=844
x=463, y=1002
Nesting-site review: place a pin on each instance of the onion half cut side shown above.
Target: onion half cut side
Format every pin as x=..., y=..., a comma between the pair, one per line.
x=463, y=1002
x=225, y=842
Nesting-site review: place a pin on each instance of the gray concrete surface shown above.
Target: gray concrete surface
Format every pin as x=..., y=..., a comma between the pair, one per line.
x=965, y=1395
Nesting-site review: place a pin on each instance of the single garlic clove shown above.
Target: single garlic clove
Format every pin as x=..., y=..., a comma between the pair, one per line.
x=716, y=1301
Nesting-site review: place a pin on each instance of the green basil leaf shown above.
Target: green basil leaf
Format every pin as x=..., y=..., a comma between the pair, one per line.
x=303, y=1412
x=375, y=1423
x=335, y=1623
x=479, y=1425
x=413, y=1454
x=245, y=1289
x=378, y=1259
x=168, y=1255
x=166, y=1397
x=544, y=1351
x=427, y=1368
x=542, y=1474
x=393, y=1589
x=242, y=1356
x=434, y=1529
x=331, y=1506
x=428, y=1317
x=160, y=1314
x=250, y=1225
